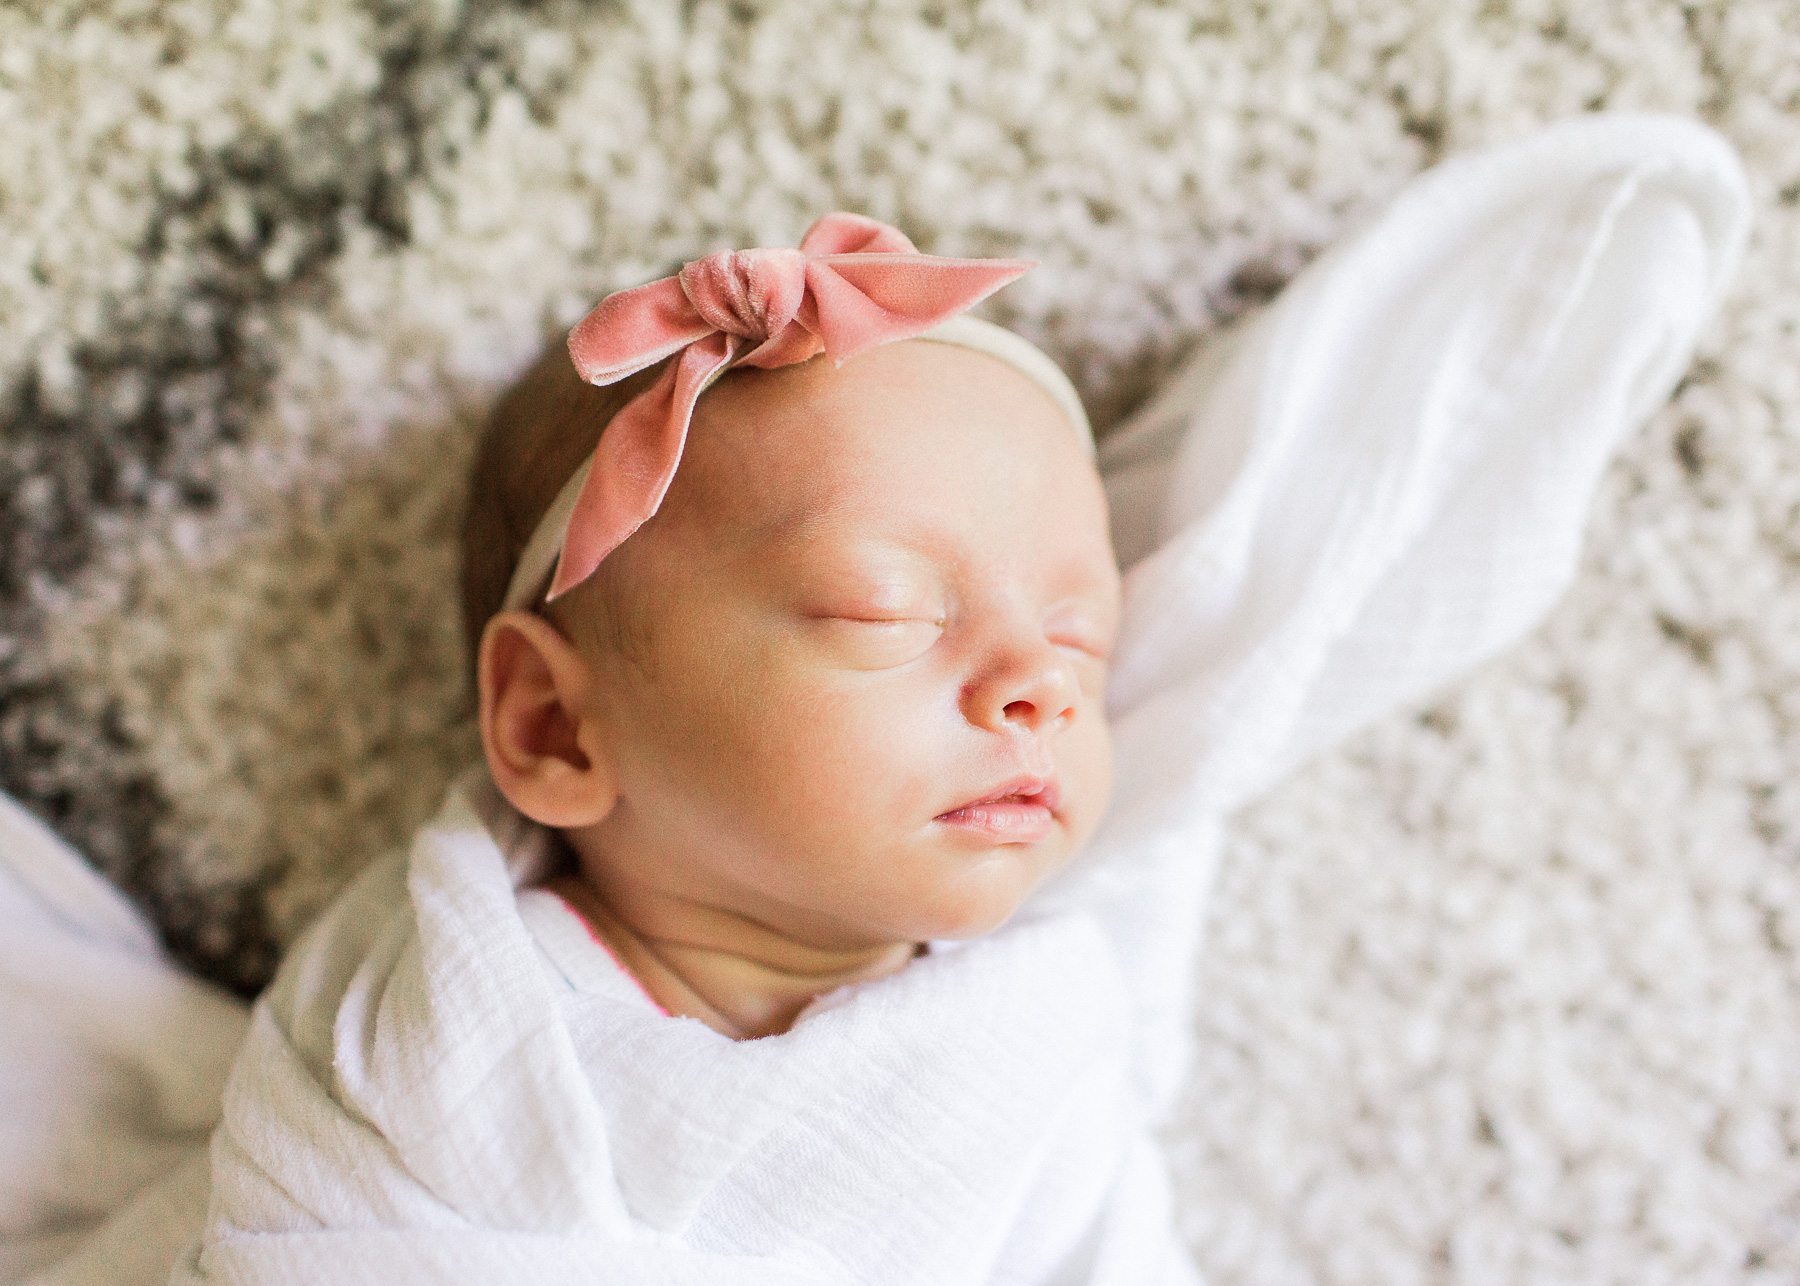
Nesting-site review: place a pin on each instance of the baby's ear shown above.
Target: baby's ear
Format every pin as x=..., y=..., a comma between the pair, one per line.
x=544, y=746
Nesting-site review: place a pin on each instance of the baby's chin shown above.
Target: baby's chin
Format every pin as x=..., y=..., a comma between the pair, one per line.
x=984, y=894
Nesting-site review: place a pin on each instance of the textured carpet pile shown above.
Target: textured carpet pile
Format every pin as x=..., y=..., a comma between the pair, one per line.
x=1504, y=991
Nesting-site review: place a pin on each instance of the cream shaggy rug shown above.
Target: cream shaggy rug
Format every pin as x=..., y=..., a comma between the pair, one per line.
x=1505, y=991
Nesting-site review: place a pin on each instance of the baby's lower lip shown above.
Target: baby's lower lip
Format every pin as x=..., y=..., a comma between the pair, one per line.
x=1016, y=819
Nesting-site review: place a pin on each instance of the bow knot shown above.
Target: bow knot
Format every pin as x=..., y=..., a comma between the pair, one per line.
x=854, y=284
x=752, y=294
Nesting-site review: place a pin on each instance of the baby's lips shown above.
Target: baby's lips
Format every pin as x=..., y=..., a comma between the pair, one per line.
x=1026, y=789
x=1020, y=812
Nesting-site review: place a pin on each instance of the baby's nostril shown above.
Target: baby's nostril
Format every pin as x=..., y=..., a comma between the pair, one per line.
x=1019, y=710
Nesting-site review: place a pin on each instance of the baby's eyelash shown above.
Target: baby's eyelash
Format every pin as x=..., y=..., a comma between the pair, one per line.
x=1098, y=651
x=880, y=642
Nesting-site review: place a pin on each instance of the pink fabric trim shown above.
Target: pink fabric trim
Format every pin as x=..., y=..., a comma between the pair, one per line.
x=854, y=284
x=600, y=942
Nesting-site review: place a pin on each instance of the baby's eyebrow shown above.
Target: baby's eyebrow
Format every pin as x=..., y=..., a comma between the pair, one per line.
x=794, y=524
x=1083, y=579
x=788, y=530
x=830, y=524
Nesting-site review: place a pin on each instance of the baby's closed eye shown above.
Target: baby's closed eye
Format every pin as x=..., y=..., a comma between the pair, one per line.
x=1088, y=634
x=877, y=642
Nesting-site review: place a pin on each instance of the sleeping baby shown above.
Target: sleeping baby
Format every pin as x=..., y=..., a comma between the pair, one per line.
x=840, y=695
x=823, y=908
x=791, y=641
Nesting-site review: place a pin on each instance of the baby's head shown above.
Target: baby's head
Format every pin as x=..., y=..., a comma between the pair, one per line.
x=847, y=681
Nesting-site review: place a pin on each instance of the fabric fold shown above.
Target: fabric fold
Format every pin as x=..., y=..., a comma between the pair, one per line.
x=466, y=1088
x=1379, y=482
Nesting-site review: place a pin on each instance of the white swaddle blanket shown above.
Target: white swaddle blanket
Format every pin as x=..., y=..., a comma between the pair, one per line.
x=1379, y=481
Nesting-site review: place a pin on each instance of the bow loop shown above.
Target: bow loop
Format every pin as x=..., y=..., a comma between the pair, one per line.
x=861, y=301
x=841, y=233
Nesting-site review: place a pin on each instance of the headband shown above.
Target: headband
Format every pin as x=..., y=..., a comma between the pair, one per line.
x=853, y=285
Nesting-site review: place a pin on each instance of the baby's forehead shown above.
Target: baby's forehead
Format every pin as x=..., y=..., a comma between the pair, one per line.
x=913, y=474
x=888, y=437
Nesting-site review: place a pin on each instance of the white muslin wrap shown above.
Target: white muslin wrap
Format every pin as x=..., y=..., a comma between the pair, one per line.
x=1337, y=506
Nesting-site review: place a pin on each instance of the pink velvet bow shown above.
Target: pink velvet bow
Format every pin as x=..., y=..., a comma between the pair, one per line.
x=854, y=284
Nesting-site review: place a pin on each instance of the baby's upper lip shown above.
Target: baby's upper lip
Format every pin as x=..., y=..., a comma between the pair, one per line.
x=1026, y=788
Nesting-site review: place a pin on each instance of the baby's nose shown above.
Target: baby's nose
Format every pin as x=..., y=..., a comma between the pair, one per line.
x=1033, y=689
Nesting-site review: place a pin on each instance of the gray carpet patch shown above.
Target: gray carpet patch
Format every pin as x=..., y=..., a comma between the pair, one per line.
x=119, y=417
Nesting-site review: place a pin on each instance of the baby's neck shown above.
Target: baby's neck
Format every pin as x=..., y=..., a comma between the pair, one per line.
x=739, y=978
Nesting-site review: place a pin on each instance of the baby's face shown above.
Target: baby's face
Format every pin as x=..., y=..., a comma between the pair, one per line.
x=873, y=617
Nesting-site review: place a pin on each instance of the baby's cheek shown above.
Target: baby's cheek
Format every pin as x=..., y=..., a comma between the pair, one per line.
x=861, y=750
x=1086, y=762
